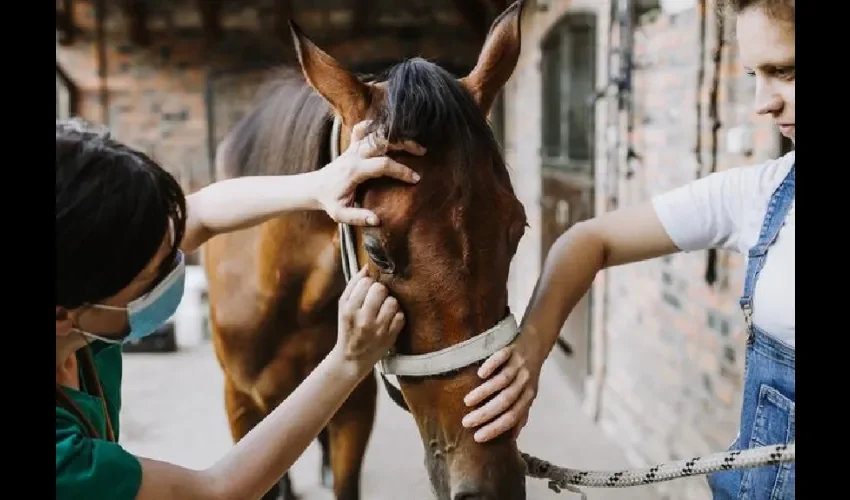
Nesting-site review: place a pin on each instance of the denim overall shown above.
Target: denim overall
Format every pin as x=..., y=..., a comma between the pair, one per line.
x=767, y=413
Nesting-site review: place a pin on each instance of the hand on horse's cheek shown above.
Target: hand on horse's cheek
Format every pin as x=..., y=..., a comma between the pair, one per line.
x=369, y=319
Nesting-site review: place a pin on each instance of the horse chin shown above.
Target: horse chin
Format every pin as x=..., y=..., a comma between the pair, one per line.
x=439, y=476
x=458, y=476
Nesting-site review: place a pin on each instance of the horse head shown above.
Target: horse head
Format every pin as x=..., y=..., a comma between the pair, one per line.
x=445, y=244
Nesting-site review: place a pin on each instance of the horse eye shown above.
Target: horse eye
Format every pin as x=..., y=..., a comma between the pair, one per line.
x=378, y=255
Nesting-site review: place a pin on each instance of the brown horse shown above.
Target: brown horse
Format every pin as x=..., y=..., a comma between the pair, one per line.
x=444, y=250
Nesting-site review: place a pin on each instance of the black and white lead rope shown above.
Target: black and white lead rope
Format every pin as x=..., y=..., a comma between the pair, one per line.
x=569, y=479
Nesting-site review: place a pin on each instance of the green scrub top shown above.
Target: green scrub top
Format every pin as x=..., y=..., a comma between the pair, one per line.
x=89, y=468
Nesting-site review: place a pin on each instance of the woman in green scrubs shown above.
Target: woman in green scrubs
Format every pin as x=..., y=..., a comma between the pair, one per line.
x=122, y=228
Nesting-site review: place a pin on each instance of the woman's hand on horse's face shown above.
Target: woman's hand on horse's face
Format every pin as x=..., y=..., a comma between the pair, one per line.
x=510, y=376
x=369, y=321
x=364, y=159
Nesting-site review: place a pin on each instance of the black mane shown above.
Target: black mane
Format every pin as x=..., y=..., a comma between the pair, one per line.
x=286, y=131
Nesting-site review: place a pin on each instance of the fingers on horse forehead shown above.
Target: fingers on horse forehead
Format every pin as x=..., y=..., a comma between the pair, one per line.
x=391, y=202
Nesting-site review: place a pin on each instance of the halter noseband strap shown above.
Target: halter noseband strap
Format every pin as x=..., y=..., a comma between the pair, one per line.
x=445, y=360
x=454, y=357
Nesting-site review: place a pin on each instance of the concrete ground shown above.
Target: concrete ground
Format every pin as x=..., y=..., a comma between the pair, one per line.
x=173, y=410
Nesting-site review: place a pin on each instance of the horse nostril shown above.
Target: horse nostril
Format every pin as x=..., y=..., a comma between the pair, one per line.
x=471, y=495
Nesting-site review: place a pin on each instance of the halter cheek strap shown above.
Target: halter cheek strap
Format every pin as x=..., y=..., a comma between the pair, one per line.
x=348, y=253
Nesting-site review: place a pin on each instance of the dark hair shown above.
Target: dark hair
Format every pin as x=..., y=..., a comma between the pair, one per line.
x=779, y=10
x=113, y=208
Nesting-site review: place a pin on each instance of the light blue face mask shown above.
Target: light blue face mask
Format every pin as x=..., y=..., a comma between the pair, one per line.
x=152, y=310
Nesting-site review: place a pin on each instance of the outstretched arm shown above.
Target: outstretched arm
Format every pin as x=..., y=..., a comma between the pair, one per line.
x=259, y=459
x=700, y=215
x=369, y=323
x=234, y=204
x=620, y=237
x=575, y=258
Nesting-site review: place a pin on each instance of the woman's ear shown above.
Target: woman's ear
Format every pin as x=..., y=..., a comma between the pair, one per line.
x=64, y=325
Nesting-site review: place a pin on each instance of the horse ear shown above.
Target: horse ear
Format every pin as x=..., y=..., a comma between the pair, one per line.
x=497, y=59
x=341, y=88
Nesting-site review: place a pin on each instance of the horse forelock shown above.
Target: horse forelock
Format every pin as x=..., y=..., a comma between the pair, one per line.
x=427, y=104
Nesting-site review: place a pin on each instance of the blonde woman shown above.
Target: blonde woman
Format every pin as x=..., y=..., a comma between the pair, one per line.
x=748, y=210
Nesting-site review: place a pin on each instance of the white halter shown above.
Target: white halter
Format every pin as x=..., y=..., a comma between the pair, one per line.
x=445, y=360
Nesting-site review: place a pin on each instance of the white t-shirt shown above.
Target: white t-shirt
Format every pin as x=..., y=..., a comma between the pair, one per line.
x=726, y=210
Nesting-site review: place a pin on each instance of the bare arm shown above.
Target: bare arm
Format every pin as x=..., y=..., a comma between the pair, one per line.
x=619, y=237
x=258, y=460
x=369, y=323
x=233, y=204
x=510, y=376
x=700, y=215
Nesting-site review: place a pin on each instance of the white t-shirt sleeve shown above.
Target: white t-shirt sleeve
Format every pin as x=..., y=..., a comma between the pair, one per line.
x=705, y=213
x=723, y=210
x=726, y=210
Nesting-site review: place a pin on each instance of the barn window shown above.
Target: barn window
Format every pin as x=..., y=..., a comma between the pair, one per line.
x=568, y=68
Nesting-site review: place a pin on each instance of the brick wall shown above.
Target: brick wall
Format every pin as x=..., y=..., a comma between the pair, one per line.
x=676, y=348
x=156, y=94
x=673, y=344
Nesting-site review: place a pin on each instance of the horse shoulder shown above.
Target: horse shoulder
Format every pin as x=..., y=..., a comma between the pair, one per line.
x=238, y=299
